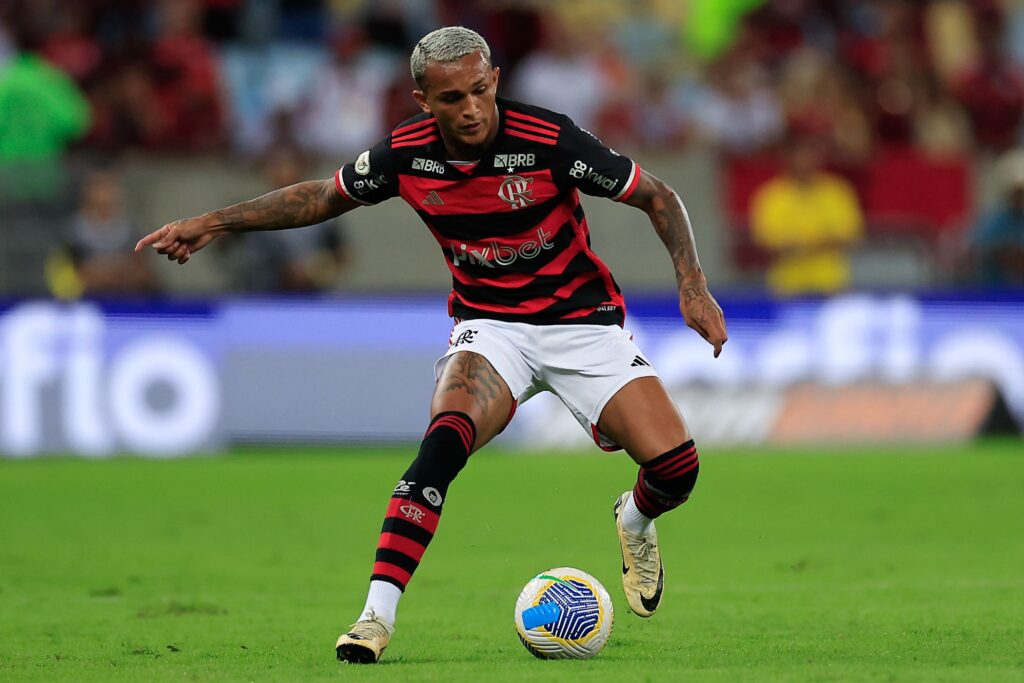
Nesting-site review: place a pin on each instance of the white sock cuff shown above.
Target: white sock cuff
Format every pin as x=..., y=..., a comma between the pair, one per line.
x=634, y=521
x=382, y=601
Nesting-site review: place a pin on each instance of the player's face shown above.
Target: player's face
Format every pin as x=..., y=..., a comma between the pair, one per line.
x=461, y=95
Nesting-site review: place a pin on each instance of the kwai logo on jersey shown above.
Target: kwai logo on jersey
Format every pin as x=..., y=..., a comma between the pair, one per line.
x=584, y=171
x=517, y=191
x=365, y=185
x=428, y=165
x=500, y=254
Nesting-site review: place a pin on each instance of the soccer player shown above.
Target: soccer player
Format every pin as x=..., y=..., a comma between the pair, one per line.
x=497, y=182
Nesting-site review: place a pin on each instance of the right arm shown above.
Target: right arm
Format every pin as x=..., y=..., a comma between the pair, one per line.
x=295, y=206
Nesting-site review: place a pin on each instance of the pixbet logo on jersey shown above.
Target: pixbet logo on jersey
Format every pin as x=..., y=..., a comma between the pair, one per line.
x=501, y=254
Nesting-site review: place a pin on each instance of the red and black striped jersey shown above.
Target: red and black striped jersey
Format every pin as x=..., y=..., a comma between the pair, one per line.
x=510, y=225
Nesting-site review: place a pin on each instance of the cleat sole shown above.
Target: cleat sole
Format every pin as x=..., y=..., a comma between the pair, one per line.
x=356, y=654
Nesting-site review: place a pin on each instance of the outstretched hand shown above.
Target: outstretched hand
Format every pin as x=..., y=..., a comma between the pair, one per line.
x=703, y=314
x=180, y=239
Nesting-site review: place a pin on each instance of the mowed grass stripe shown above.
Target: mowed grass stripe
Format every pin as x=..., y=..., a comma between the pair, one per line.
x=894, y=563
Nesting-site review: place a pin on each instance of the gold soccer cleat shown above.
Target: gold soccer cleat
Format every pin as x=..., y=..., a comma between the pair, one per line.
x=365, y=641
x=643, y=575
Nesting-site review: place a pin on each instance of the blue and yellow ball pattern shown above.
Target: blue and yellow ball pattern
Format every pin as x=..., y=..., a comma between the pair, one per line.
x=564, y=613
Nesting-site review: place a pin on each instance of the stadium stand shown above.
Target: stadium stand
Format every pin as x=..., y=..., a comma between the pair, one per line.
x=916, y=99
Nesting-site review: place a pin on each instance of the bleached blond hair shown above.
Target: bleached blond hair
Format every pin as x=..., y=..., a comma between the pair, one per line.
x=448, y=44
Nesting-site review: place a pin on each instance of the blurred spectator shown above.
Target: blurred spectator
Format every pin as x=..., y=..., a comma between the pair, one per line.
x=343, y=111
x=992, y=91
x=566, y=75
x=740, y=113
x=997, y=243
x=41, y=110
x=266, y=86
x=778, y=28
x=6, y=43
x=98, y=257
x=807, y=219
x=70, y=47
x=666, y=119
x=941, y=128
x=126, y=109
x=186, y=78
x=711, y=25
x=818, y=95
x=951, y=37
x=307, y=260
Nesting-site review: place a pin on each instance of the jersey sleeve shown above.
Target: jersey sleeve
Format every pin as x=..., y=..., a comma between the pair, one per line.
x=592, y=168
x=371, y=178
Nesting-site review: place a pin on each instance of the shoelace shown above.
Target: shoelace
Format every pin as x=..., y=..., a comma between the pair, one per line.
x=369, y=628
x=645, y=563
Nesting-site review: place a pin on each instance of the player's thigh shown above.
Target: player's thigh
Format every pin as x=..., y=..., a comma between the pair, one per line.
x=470, y=384
x=643, y=419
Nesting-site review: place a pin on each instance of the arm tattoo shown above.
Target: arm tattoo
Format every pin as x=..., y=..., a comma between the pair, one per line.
x=668, y=215
x=470, y=372
x=697, y=303
x=672, y=224
x=294, y=206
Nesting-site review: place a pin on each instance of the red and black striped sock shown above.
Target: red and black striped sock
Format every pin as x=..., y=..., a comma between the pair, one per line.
x=415, y=506
x=667, y=481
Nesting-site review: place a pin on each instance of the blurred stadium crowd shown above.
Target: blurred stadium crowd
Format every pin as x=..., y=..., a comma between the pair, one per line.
x=891, y=126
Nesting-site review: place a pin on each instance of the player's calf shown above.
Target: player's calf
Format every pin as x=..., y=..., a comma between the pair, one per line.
x=409, y=526
x=667, y=481
x=662, y=484
x=415, y=508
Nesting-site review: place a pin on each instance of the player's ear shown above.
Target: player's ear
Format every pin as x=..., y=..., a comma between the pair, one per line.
x=421, y=99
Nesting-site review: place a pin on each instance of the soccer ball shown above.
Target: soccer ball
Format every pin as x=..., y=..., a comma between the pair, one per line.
x=564, y=613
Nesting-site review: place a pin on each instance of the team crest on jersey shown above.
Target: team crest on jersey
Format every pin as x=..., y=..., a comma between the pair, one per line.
x=363, y=163
x=517, y=191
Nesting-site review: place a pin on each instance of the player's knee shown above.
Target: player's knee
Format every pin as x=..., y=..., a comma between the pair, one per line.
x=672, y=476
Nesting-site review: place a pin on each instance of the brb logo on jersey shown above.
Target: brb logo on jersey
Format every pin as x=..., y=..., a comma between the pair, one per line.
x=428, y=165
x=511, y=161
x=517, y=191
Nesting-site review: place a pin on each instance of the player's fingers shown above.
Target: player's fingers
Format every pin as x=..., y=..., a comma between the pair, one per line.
x=698, y=328
x=150, y=239
x=184, y=258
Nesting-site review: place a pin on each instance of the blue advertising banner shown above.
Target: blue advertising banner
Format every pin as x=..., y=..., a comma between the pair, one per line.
x=171, y=378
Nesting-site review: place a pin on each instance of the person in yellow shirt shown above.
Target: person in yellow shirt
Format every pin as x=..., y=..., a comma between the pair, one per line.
x=808, y=220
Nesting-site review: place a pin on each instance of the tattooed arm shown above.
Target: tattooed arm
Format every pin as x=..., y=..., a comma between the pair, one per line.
x=294, y=206
x=666, y=211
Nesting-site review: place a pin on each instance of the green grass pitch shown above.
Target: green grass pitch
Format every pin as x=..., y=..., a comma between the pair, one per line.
x=891, y=563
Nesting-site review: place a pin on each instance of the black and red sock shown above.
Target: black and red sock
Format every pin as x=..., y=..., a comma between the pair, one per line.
x=667, y=481
x=415, y=507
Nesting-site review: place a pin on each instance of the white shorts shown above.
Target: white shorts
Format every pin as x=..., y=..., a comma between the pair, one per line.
x=584, y=365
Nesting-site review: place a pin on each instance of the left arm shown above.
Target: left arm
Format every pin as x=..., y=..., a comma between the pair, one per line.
x=668, y=215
